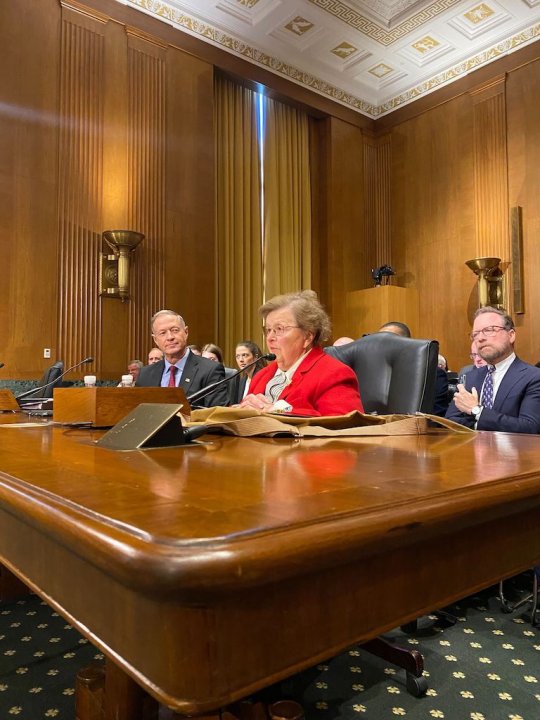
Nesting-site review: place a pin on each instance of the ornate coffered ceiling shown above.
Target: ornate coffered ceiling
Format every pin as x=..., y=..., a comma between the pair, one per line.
x=370, y=55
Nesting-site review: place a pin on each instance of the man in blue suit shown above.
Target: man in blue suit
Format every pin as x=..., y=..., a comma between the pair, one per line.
x=505, y=394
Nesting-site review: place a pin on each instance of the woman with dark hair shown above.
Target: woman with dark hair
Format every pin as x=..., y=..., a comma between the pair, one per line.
x=246, y=352
x=303, y=379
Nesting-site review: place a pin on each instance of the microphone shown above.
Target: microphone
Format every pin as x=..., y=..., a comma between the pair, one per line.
x=214, y=386
x=53, y=382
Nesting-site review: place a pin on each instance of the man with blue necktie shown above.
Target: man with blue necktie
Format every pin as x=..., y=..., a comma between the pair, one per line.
x=504, y=395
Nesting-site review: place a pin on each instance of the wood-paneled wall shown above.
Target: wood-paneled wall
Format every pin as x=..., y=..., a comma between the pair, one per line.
x=523, y=150
x=457, y=169
x=346, y=248
x=108, y=123
x=104, y=127
x=436, y=190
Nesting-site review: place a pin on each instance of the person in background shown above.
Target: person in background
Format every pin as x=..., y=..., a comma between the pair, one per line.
x=503, y=395
x=246, y=352
x=398, y=328
x=212, y=352
x=134, y=368
x=477, y=362
x=342, y=341
x=180, y=367
x=440, y=404
x=303, y=379
x=442, y=363
x=195, y=349
x=154, y=356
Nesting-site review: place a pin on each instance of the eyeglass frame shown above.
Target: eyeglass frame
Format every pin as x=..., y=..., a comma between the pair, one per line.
x=488, y=331
x=279, y=330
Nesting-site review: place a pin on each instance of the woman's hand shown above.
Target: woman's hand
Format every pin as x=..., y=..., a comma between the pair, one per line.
x=259, y=402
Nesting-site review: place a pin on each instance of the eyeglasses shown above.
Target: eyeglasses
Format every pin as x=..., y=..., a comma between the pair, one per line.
x=278, y=331
x=489, y=331
x=173, y=331
x=244, y=356
x=474, y=355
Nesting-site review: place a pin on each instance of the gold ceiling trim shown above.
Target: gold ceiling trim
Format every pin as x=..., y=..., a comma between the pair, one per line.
x=165, y=12
x=453, y=73
x=159, y=9
x=359, y=22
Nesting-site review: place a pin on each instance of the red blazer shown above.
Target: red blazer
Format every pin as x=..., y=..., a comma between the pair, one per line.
x=321, y=385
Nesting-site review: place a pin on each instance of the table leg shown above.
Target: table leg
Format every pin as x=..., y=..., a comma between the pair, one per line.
x=123, y=698
x=108, y=693
x=89, y=685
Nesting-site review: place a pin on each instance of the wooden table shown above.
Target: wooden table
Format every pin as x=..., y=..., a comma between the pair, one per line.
x=208, y=572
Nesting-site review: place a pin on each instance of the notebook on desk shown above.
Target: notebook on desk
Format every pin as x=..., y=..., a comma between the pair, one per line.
x=36, y=406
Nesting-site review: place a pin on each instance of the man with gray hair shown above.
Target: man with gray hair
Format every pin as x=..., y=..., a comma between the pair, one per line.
x=180, y=367
x=504, y=394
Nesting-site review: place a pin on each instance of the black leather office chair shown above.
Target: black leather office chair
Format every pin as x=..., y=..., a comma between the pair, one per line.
x=52, y=376
x=396, y=375
x=531, y=598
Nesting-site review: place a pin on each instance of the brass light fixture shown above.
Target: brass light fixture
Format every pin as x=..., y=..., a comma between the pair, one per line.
x=114, y=268
x=490, y=281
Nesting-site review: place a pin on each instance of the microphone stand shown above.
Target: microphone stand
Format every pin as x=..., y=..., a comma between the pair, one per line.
x=214, y=386
x=53, y=382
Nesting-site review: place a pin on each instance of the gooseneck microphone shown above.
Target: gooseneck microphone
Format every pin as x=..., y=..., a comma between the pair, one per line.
x=53, y=382
x=196, y=396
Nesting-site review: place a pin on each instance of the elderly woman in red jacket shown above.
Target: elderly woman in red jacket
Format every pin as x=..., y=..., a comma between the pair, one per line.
x=303, y=380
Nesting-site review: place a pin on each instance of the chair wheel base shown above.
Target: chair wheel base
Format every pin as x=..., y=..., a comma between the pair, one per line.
x=416, y=686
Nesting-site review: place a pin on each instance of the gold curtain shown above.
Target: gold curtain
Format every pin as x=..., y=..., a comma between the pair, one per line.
x=287, y=200
x=239, y=271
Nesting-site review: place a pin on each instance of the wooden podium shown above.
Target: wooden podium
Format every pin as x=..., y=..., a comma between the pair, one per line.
x=368, y=309
x=7, y=401
x=105, y=406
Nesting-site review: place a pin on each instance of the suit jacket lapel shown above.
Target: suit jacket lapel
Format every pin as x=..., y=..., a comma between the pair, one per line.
x=304, y=367
x=155, y=373
x=189, y=374
x=509, y=380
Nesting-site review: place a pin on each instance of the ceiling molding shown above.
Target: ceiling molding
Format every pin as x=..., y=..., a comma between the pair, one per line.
x=371, y=57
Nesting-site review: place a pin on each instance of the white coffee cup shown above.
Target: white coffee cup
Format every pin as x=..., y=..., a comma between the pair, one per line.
x=126, y=381
x=90, y=381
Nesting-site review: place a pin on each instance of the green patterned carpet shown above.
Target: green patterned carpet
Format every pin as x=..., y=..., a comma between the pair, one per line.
x=486, y=667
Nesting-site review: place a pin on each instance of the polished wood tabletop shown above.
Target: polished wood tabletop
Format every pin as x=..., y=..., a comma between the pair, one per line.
x=208, y=571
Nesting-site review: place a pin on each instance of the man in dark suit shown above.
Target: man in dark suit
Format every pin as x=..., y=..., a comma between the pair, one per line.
x=180, y=367
x=505, y=394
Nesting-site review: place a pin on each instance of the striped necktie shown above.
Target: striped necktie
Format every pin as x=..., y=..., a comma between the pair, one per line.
x=275, y=386
x=487, y=390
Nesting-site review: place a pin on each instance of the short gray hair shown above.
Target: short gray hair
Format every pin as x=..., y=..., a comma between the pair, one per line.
x=167, y=312
x=307, y=310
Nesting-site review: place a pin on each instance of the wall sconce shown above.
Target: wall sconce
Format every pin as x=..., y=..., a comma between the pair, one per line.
x=114, y=269
x=490, y=281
